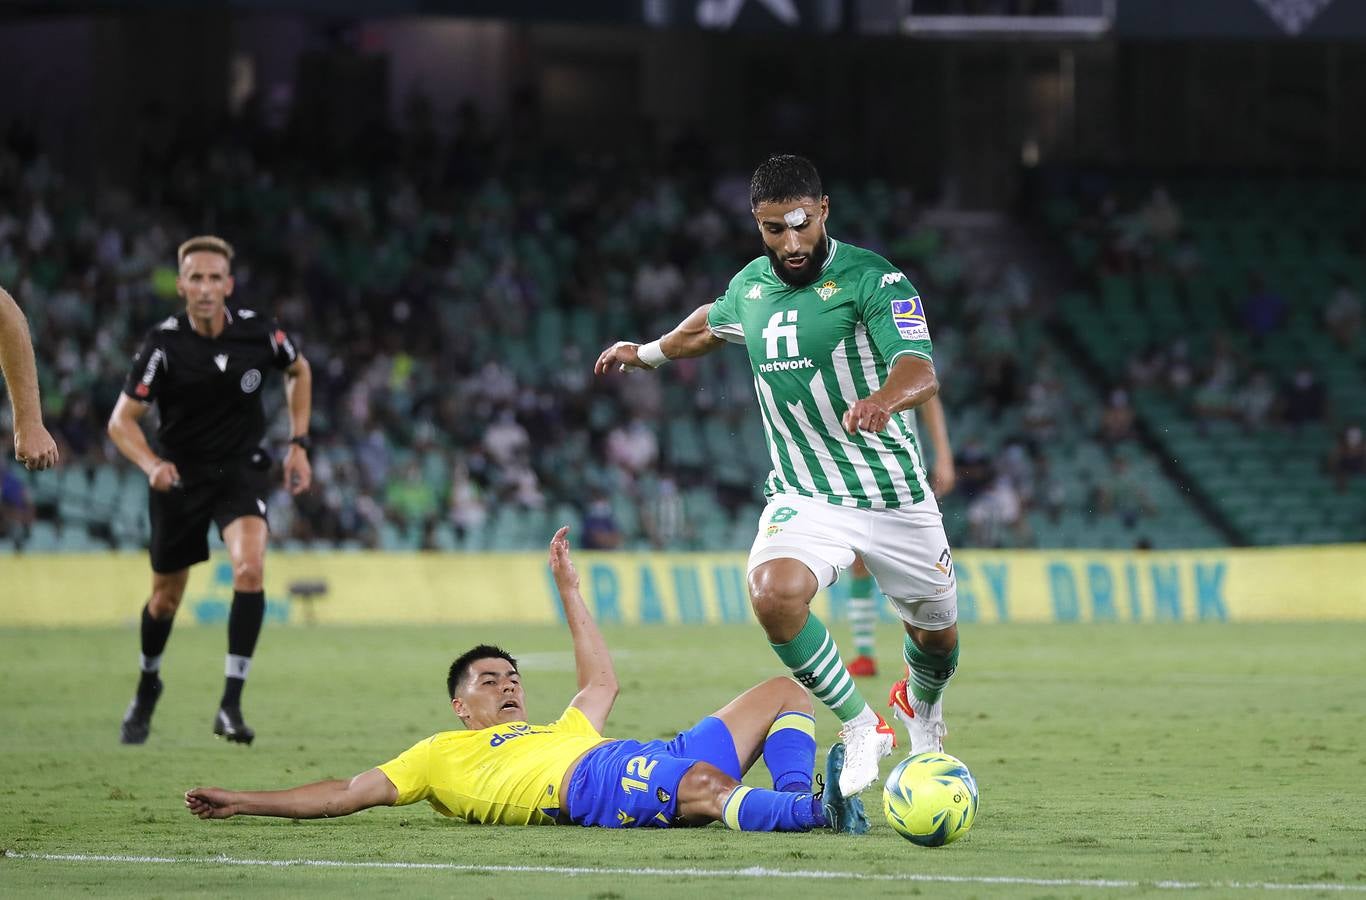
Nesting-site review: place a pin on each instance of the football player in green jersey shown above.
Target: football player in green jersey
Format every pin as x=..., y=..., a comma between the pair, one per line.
x=840, y=351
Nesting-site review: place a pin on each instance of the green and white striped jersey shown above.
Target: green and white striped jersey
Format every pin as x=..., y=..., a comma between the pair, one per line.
x=815, y=351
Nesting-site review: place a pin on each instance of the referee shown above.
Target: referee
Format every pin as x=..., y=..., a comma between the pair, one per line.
x=204, y=370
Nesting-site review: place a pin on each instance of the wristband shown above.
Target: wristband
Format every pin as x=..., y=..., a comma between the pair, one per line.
x=652, y=354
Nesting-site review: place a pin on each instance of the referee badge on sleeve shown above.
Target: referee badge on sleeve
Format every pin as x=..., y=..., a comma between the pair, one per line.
x=251, y=380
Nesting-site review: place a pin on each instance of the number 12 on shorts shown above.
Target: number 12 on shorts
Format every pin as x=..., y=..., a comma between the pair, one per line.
x=641, y=767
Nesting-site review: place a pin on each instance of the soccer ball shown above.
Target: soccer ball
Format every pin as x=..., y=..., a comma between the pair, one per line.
x=930, y=799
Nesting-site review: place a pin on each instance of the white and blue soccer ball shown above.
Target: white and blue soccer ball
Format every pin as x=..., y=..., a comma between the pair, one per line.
x=930, y=799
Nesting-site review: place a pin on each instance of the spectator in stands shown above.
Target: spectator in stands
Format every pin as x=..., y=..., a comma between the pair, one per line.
x=1213, y=397
x=467, y=510
x=1044, y=403
x=658, y=283
x=975, y=471
x=1117, y=419
x=1048, y=492
x=1122, y=493
x=1179, y=372
x=1255, y=401
x=1348, y=457
x=996, y=511
x=506, y=439
x=1303, y=398
x=1148, y=366
x=1186, y=259
x=520, y=486
x=409, y=499
x=600, y=529
x=632, y=446
x=16, y=506
x=1342, y=315
x=1264, y=310
x=1161, y=216
x=664, y=514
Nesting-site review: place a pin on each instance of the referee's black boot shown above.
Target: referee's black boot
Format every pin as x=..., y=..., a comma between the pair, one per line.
x=228, y=724
x=137, y=721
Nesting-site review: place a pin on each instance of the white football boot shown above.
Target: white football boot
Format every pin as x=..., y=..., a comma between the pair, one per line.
x=924, y=721
x=865, y=744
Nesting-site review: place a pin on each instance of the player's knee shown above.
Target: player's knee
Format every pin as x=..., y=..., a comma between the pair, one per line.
x=165, y=600
x=792, y=697
x=777, y=593
x=248, y=575
x=941, y=641
x=708, y=787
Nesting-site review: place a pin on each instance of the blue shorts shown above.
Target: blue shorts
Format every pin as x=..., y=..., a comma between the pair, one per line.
x=630, y=784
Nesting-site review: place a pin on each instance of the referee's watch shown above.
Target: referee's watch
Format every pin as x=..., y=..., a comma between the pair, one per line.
x=302, y=441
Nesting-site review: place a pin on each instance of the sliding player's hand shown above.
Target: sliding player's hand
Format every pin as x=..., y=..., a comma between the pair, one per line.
x=210, y=803
x=866, y=415
x=561, y=566
x=623, y=356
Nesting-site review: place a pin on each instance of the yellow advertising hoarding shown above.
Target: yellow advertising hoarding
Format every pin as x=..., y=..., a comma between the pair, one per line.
x=1242, y=585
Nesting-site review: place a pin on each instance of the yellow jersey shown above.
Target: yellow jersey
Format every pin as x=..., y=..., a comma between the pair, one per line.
x=505, y=775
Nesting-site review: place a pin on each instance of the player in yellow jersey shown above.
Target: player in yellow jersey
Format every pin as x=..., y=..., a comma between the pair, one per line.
x=504, y=770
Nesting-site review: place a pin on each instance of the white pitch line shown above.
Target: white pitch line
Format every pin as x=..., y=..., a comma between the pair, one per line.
x=751, y=872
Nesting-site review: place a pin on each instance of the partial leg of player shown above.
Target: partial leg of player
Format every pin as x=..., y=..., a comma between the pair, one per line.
x=158, y=615
x=246, y=541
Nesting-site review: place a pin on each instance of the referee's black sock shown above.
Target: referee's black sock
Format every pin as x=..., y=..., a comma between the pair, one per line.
x=155, y=634
x=244, y=627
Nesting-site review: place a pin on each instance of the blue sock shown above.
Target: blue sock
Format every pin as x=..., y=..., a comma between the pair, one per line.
x=790, y=752
x=755, y=809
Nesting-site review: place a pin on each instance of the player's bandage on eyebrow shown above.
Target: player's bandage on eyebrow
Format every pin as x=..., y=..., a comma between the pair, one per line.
x=795, y=217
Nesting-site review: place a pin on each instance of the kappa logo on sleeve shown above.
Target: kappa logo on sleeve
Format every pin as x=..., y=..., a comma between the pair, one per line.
x=909, y=318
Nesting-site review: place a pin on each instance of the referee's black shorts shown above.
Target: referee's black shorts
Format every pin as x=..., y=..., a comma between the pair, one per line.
x=220, y=493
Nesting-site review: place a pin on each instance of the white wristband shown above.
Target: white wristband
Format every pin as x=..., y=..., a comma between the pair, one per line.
x=652, y=354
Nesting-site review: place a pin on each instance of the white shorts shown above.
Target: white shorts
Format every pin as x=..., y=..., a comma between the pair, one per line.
x=904, y=549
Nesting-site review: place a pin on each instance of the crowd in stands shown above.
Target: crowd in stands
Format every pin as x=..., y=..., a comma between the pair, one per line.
x=1230, y=381
x=451, y=297
x=1238, y=310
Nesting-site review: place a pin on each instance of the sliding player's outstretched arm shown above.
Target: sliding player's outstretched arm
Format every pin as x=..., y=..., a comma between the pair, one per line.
x=597, y=678
x=320, y=800
x=692, y=337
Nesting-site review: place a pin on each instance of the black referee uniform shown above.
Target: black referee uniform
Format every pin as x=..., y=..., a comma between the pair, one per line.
x=208, y=395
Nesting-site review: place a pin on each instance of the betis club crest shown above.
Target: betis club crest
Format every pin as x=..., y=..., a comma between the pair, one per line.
x=827, y=290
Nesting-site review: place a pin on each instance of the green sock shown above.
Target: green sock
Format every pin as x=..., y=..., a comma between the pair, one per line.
x=815, y=662
x=862, y=614
x=930, y=672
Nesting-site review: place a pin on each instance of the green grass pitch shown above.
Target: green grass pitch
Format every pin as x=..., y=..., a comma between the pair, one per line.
x=1114, y=761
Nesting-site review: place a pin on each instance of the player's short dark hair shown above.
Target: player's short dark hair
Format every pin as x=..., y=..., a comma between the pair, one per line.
x=207, y=243
x=461, y=666
x=784, y=177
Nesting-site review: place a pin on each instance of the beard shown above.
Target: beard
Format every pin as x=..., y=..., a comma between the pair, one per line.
x=809, y=273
